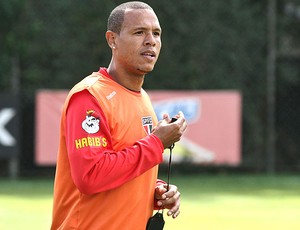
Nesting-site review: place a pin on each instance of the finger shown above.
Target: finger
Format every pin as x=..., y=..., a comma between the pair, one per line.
x=159, y=191
x=171, y=203
x=176, y=214
x=180, y=113
x=171, y=190
x=166, y=117
x=182, y=122
x=183, y=127
x=174, y=211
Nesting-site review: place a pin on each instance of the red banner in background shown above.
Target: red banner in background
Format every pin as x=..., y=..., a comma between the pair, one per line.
x=213, y=135
x=49, y=104
x=214, y=125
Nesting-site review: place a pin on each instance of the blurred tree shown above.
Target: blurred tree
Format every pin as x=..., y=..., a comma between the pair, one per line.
x=67, y=42
x=11, y=38
x=218, y=45
x=288, y=82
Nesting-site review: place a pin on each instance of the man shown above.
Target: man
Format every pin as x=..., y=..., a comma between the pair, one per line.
x=110, y=140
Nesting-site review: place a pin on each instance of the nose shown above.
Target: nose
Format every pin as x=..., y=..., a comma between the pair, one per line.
x=150, y=40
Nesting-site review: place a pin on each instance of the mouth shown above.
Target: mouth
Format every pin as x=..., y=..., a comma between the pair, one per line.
x=149, y=54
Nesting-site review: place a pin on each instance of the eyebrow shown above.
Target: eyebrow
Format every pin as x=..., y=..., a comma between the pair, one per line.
x=145, y=28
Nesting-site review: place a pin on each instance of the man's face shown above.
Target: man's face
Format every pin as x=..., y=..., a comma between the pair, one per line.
x=139, y=42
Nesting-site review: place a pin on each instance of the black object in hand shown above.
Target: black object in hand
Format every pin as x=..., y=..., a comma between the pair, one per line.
x=173, y=119
x=156, y=222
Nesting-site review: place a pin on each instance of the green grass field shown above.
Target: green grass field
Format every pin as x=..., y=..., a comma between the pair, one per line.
x=209, y=202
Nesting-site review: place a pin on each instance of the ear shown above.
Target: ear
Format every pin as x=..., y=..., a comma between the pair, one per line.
x=111, y=39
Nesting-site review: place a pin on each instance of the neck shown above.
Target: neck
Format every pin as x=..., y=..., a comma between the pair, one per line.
x=126, y=79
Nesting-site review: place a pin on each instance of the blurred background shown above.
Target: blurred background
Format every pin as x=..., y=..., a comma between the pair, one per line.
x=249, y=46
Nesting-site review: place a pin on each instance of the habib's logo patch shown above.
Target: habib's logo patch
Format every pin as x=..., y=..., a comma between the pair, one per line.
x=91, y=124
x=147, y=124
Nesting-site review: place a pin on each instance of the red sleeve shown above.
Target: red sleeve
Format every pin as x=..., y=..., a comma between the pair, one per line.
x=95, y=167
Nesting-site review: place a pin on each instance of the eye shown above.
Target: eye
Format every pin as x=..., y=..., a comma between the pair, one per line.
x=156, y=34
x=140, y=32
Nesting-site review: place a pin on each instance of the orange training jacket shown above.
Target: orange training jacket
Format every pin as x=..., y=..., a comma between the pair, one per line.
x=107, y=162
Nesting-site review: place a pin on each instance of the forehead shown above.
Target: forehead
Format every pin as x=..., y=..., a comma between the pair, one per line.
x=140, y=18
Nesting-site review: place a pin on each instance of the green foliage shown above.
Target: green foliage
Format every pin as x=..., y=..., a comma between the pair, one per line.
x=67, y=43
x=10, y=15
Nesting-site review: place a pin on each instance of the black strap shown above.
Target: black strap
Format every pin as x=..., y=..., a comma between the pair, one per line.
x=157, y=222
x=169, y=166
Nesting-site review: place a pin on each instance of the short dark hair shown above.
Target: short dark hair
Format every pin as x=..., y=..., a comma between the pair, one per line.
x=116, y=17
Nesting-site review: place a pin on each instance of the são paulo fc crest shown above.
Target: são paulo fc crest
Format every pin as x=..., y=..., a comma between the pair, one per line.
x=91, y=123
x=147, y=124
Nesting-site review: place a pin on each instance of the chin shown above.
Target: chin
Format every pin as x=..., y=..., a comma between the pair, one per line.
x=145, y=70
